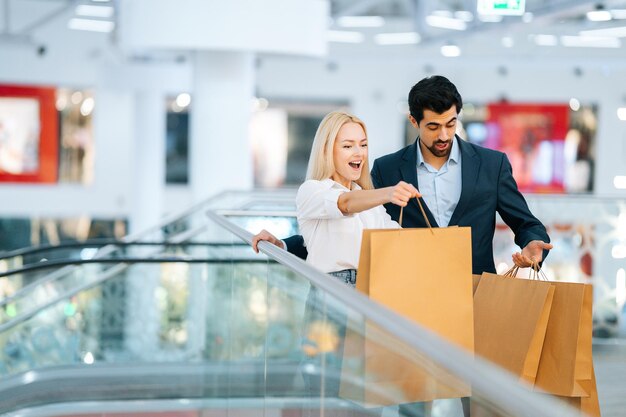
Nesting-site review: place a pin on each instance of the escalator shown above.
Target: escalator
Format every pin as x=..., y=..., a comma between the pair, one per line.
x=214, y=329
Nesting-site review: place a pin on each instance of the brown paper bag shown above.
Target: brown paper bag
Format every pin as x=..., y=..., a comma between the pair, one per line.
x=475, y=282
x=510, y=320
x=424, y=275
x=589, y=405
x=565, y=367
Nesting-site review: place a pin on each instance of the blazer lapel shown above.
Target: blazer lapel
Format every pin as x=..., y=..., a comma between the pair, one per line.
x=469, y=173
x=408, y=169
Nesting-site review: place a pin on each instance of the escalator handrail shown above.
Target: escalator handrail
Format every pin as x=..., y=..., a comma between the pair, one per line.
x=129, y=260
x=31, y=250
x=484, y=377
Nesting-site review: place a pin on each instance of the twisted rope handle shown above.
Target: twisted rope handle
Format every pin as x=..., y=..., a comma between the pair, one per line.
x=419, y=203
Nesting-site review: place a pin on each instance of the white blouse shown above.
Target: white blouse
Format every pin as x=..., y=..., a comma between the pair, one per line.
x=333, y=239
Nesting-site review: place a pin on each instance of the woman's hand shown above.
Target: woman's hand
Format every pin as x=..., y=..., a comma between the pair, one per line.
x=268, y=237
x=401, y=193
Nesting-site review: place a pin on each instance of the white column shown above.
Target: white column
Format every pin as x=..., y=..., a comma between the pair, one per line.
x=149, y=160
x=220, y=150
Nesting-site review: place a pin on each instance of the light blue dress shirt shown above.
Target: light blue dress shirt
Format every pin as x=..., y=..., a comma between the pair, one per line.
x=441, y=190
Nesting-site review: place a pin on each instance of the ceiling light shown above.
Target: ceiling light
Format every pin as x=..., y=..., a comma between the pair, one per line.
x=450, y=51
x=446, y=22
x=91, y=25
x=94, y=11
x=590, y=42
x=621, y=113
x=614, y=32
x=183, y=100
x=574, y=104
x=343, y=36
x=545, y=40
x=507, y=42
x=619, y=182
x=360, y=21
x=599, y=15
x=398, y=38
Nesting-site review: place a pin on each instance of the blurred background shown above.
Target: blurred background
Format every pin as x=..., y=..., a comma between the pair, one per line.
x=116, y=113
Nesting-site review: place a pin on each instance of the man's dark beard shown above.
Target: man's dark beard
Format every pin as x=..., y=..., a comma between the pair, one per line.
x=436, y=152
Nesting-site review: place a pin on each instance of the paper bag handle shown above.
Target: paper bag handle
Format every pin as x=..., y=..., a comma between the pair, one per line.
x=536, y=272
x=419, y=203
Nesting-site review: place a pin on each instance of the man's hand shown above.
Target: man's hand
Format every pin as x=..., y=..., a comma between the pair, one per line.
x=267, y=236
x=532, y=253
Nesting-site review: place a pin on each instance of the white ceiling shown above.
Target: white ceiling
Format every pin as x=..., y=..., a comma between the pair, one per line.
x=41, y=24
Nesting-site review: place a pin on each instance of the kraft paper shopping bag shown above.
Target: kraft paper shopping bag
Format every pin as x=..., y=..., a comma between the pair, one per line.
x=510, y=321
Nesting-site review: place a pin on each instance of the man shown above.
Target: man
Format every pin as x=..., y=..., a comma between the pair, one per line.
x=462, y=184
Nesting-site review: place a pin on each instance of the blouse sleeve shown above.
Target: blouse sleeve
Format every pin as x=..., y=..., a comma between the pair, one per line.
x=318, y=200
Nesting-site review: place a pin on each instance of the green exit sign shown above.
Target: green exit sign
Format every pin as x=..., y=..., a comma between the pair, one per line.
x=501, y=7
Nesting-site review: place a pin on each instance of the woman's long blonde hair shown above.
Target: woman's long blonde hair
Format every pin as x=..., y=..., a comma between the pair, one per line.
x=321, y=164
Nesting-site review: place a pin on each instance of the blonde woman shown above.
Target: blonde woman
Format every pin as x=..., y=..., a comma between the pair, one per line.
x=334, y=205
x=338, y=200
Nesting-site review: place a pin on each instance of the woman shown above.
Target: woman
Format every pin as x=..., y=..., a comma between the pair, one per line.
x=338, y=200
x=334, y=205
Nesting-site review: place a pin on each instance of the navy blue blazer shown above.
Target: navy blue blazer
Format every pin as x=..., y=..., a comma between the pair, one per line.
x=488, y=187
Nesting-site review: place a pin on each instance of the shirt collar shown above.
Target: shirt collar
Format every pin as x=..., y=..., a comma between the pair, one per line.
x=335, y=184
x=455, y=153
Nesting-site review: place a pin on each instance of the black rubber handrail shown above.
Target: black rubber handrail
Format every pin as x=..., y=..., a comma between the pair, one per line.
x=127, y=260
x=101, y=242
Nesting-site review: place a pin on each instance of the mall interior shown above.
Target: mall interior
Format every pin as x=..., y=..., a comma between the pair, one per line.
x=144, y=142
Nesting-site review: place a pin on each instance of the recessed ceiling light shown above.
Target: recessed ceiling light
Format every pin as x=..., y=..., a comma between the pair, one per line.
x=599, y=15
x=545, y=40
x=94, y=11
x=398, y=38
x=507, y=42
x=450, y=51
x=91, y=25
x=590, y=42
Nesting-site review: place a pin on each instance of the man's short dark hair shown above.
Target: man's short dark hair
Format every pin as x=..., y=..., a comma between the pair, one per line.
x=435, y=93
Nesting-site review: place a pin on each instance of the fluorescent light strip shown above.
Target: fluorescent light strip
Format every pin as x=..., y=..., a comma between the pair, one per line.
x=599, y=15
x=545, y=40
x=614, y=32
x=446, y=22
x=399, y=38
x=342, y=36
x=621, y=114
x=94, y=11
x=590, y=42
x=91, y=25
x=361, y=21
